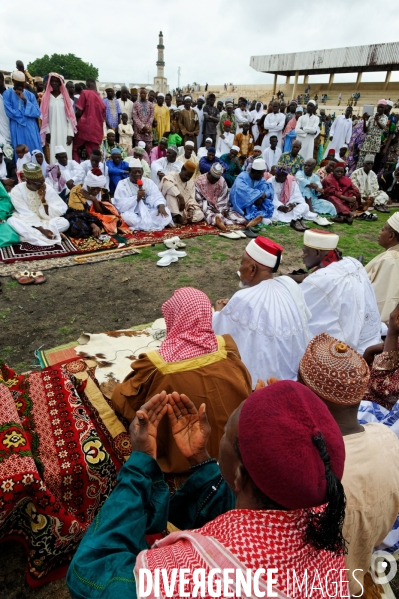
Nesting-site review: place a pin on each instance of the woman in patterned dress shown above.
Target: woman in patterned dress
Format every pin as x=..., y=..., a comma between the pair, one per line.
x=373, y=127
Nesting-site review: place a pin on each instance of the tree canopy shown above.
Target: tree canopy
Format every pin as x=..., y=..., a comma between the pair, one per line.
x=67, y=65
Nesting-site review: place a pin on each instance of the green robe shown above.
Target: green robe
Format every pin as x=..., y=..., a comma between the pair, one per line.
x=7, y=234
x=140, y=505
x=233, y=172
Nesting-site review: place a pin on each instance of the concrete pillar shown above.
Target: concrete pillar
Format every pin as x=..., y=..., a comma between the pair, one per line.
x=295, y=85
x=275, y=85
x=331, y=81
x=358, y=80
x=287, y=80
x=306, y=79
x=387, y=79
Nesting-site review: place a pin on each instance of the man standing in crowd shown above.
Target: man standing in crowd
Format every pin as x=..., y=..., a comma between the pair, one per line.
x=143, y=116
x=23, y=111
x=211, y=119
x=90, y=113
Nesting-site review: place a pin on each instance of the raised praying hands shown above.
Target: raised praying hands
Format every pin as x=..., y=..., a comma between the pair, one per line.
x=190, y=427
x=143, y=429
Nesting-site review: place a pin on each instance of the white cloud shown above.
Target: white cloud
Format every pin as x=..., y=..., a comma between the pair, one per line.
x=211, y=41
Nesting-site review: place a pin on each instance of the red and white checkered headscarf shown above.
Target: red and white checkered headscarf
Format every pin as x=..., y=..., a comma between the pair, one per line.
x=189, y=333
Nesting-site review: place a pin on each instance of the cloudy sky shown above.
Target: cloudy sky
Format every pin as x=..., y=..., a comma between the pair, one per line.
x=211, y=41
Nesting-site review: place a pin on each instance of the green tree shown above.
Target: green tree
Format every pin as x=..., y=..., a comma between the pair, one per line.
x=67, y=65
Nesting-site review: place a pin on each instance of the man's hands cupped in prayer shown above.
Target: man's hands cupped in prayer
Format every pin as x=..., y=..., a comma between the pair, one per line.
x=190, y=427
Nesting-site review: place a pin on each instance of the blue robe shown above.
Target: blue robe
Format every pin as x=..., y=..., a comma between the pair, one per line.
x=116, y=173
x=244, y=194
x=23, y=124
x=205, y=165
x=319, y=205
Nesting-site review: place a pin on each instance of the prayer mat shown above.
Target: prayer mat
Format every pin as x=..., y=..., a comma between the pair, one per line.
x=26, y=251
x=91, y=244
x=56, y=355
x=195, y=230
x=57, y=462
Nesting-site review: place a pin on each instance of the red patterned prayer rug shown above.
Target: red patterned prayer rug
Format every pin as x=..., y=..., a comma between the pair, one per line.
x=26, y=251
x=91, y=244
x=143, y=237
x=56, y=467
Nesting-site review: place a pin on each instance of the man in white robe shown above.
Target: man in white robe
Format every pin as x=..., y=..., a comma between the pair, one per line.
x=274, y=124
x=163, y=166
x=383, y=270
x=242, y=116
x=268, y=318
x=71, y=170
x=340, y=132
x=95, y=162
x=289, y=204
x=225, y=141
x=5, y=133
x=38, y=217
x=56, y=124
x=339, y=294
x=272, y=154
x=142, y=207
x=366, y=181
x=199, y=110
x=307, y=129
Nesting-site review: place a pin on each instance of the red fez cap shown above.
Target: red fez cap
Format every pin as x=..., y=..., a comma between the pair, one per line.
x=331, y=152
x=227, y=123
x=265, y=251
x=339, y=165
x=97, y=171
x=275, y=436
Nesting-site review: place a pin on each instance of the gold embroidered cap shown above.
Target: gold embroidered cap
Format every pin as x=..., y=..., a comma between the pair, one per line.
x=32, y=171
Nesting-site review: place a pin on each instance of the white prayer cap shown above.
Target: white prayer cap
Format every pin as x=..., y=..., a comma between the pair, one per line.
x=201, y=98
x=134, y=162
x=189, y=143
x=18, y=76
x=59, y=150
x=141, y=144
x=264, y=251
x=160, y=95
x=259, y=164
x=93, y=180
x=187, y=98
x=110, y=131
x=320, y=240
x=393, y=221
x=236, y=148
x=312, y=102
x=299, y=109
x=209, y=139
x=389, y=102
x=258, y=148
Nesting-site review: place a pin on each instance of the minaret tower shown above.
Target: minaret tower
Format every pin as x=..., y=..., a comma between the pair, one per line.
x=160, y=61
x=160, y=82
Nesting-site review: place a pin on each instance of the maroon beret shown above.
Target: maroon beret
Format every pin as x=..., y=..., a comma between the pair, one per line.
x=275, y=432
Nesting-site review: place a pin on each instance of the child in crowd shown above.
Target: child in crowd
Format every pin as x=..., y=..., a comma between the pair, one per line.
x=125, y=134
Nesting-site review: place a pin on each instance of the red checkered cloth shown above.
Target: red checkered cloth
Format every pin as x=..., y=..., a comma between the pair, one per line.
x=189, y=332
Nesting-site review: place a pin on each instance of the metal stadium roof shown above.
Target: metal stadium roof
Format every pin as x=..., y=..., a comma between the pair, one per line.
x=377, y=57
